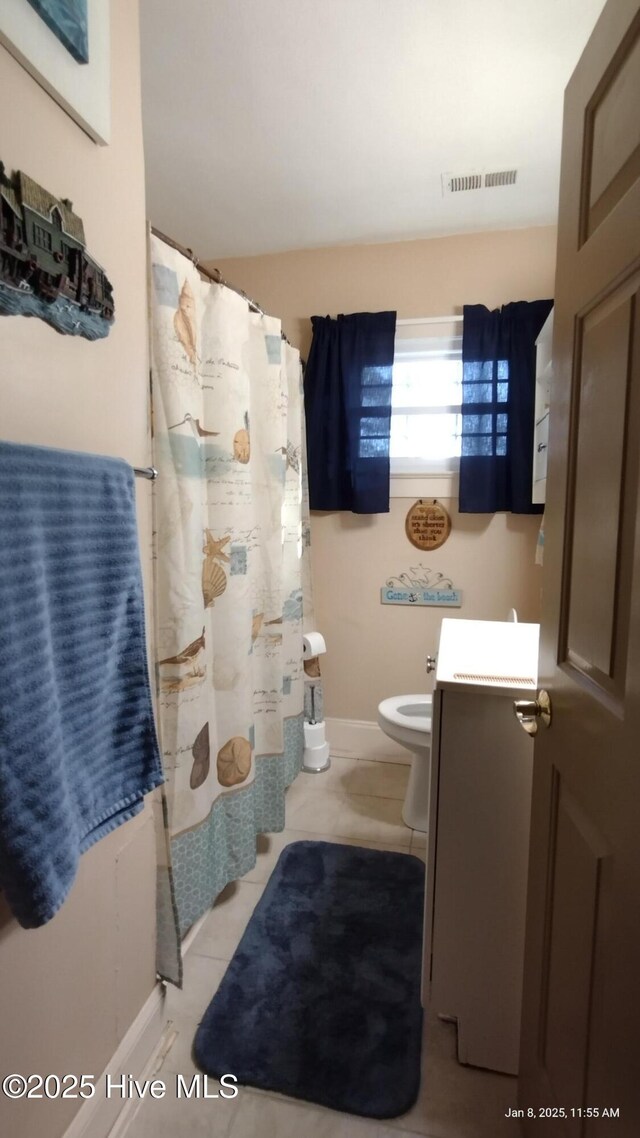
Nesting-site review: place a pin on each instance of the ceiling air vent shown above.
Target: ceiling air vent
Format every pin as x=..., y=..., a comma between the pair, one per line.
x=500, y=178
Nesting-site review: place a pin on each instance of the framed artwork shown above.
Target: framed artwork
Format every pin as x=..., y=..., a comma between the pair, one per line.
x=69, y=22
x=65, y=46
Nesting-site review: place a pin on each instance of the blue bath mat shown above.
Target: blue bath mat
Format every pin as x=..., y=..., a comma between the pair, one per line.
x=322, y=998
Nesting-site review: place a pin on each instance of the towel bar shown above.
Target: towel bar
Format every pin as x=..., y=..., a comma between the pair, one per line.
x=146, y=472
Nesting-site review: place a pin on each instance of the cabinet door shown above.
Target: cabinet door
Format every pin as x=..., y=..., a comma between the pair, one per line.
x=540, y=444
x=432, y=841
x=479, y=874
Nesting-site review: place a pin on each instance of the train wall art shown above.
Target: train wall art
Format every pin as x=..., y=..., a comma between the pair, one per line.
x=45, y=269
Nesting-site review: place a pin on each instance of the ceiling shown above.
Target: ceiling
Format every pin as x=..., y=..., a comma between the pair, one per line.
x=287, y=124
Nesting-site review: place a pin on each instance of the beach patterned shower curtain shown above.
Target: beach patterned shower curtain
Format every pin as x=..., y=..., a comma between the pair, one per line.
x=232, y=580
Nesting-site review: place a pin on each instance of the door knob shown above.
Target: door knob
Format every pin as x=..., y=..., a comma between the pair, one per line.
x=529, y=711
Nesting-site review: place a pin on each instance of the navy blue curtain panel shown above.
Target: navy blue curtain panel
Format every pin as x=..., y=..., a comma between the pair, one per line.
x=347, y=398
x=498, y=398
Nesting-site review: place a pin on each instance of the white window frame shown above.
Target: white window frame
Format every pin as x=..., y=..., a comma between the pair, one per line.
x=411, y=477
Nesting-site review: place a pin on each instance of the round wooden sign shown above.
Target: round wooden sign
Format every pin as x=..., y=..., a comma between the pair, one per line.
x=428, y=524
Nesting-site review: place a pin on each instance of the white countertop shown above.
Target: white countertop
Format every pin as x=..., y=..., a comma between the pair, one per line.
x=495, y=654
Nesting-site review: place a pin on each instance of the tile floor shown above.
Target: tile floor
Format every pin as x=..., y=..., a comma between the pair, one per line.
x=357, y=802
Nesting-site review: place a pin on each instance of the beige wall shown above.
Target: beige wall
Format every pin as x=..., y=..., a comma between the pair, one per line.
x=376, y=650
x=69, y=991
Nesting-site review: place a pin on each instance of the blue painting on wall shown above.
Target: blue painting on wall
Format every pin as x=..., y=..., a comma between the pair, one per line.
x=69, y=22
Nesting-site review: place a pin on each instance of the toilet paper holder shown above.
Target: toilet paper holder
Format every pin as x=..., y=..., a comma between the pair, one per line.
x=316, y=756
x=312, y=695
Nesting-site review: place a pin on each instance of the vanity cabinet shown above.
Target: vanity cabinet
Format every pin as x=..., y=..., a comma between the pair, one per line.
x=478, y=845
x=544, y=345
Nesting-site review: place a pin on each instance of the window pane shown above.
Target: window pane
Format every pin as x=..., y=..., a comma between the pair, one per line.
x=501, y=423
x=373, y=448
x=373, y=425
x=431, y=436
x=373, y=437
x=376, y=396
x=478, y=371
x=477, y=424
x=376, y=389
x=483, y=445
x=427, y=392
x=427, y=382
x=477, y=393
x=478, y=445
x=503, y=392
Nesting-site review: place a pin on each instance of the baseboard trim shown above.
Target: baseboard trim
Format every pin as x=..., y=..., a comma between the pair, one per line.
x=362, y=739
x=102, y=1117
x=190, y=937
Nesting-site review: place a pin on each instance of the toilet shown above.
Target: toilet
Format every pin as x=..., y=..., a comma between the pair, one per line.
x=407, y=720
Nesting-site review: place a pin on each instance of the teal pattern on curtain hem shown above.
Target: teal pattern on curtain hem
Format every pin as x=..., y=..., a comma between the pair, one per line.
x=223, y=848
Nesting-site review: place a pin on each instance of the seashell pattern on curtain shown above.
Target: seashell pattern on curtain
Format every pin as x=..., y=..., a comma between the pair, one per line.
x=231, y=548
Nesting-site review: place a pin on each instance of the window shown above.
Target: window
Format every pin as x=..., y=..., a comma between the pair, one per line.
x=42, y=237
x=426, y=401
x=485, y=392
x=71, y=259
x=374, y=396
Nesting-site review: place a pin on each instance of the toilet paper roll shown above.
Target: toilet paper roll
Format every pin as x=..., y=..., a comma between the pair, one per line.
x=313, y=644
x=314, y=734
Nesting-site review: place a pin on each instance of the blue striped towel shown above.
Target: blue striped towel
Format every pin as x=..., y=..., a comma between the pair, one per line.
x=78, y=747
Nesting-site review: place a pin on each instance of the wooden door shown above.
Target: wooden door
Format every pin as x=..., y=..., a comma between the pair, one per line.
x=581, y=1011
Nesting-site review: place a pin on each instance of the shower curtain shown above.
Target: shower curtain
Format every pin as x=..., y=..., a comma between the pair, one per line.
x=231, y=548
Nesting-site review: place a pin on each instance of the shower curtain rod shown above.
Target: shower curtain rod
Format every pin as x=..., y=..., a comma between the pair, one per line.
x=211, y=274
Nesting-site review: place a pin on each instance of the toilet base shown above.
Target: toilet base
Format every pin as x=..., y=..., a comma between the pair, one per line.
x=415, y=809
